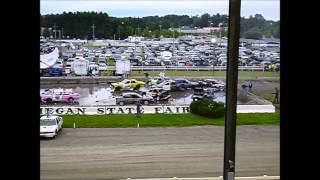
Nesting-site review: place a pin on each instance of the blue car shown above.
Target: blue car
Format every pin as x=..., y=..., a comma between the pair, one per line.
x=56, y=72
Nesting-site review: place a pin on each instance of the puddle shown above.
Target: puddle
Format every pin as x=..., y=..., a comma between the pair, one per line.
x=96, y=95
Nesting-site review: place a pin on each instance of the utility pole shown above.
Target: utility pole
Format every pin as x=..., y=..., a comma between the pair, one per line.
x=55, y=31
x=160, y=28
x=138, y=26
x=93, y=31
x=60, y=35
x=231, y=94
x=173, y=41
x=62, y=32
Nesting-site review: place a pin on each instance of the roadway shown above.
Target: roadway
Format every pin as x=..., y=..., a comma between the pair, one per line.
x=117, y=153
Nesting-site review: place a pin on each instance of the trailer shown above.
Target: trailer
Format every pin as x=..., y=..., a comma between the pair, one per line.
x=80, y=67
x=123, y=67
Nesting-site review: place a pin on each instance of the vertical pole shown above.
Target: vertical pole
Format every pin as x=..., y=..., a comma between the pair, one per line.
x=231, y=94
x=93, y=31
x=55, y=31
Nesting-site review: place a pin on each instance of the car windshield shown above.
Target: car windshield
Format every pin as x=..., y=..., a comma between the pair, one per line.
x=47, y=122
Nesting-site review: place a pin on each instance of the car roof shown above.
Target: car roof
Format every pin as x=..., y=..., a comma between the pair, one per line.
x=48, y=117
x=131, y=93
x=156, y=88
x=180, y=79
x=130, y=79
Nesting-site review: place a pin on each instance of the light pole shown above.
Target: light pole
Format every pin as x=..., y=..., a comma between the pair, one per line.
x=213, y=41
x=50, y=32
x=93, y=31
x=220, y=24
x=55, y=30
x=119, y=28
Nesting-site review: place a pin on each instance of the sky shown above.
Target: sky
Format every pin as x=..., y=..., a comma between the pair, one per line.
x=270, y=9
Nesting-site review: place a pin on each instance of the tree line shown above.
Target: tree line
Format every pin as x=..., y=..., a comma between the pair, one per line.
x=79, y=25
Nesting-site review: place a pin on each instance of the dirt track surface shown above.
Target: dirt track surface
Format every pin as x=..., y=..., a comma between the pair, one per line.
x=119, y=153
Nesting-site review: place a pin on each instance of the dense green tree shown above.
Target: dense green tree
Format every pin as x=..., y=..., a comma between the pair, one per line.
x=46, y=32
x=78, y=24
x=253, y=34
x=205, y=20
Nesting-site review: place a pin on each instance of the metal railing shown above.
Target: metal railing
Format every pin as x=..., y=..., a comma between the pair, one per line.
x=213, y=178
x=189, y=68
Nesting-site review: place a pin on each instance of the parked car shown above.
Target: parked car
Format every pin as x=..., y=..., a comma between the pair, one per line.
x=102, y=67
x=50, y=126
x=93, y=69
x=132, y=97
x=128, y=84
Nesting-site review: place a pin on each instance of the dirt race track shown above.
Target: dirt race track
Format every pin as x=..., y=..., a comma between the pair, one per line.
x=119, y=153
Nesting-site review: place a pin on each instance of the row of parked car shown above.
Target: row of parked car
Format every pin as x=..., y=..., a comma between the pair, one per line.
x=177, y=53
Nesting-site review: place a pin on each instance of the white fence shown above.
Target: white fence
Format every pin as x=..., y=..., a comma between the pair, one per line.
x=191, y=68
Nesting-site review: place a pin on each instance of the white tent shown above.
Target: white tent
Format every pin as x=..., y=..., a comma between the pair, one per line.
x=48, y=60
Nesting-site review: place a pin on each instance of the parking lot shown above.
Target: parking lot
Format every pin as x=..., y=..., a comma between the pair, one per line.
x=189, y=51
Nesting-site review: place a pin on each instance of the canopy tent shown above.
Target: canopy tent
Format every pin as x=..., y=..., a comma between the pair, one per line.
x=48, y=60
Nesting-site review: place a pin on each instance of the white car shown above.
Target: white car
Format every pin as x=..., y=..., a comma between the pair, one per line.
x=50, y=126
x=102, y=67
x=70, y=61
x=102, y=56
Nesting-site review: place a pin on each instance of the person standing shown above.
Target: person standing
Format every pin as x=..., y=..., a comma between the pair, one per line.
x=250, y=85
x=276, y=97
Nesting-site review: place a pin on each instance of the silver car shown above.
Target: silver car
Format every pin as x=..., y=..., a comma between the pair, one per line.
x=132, y=98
